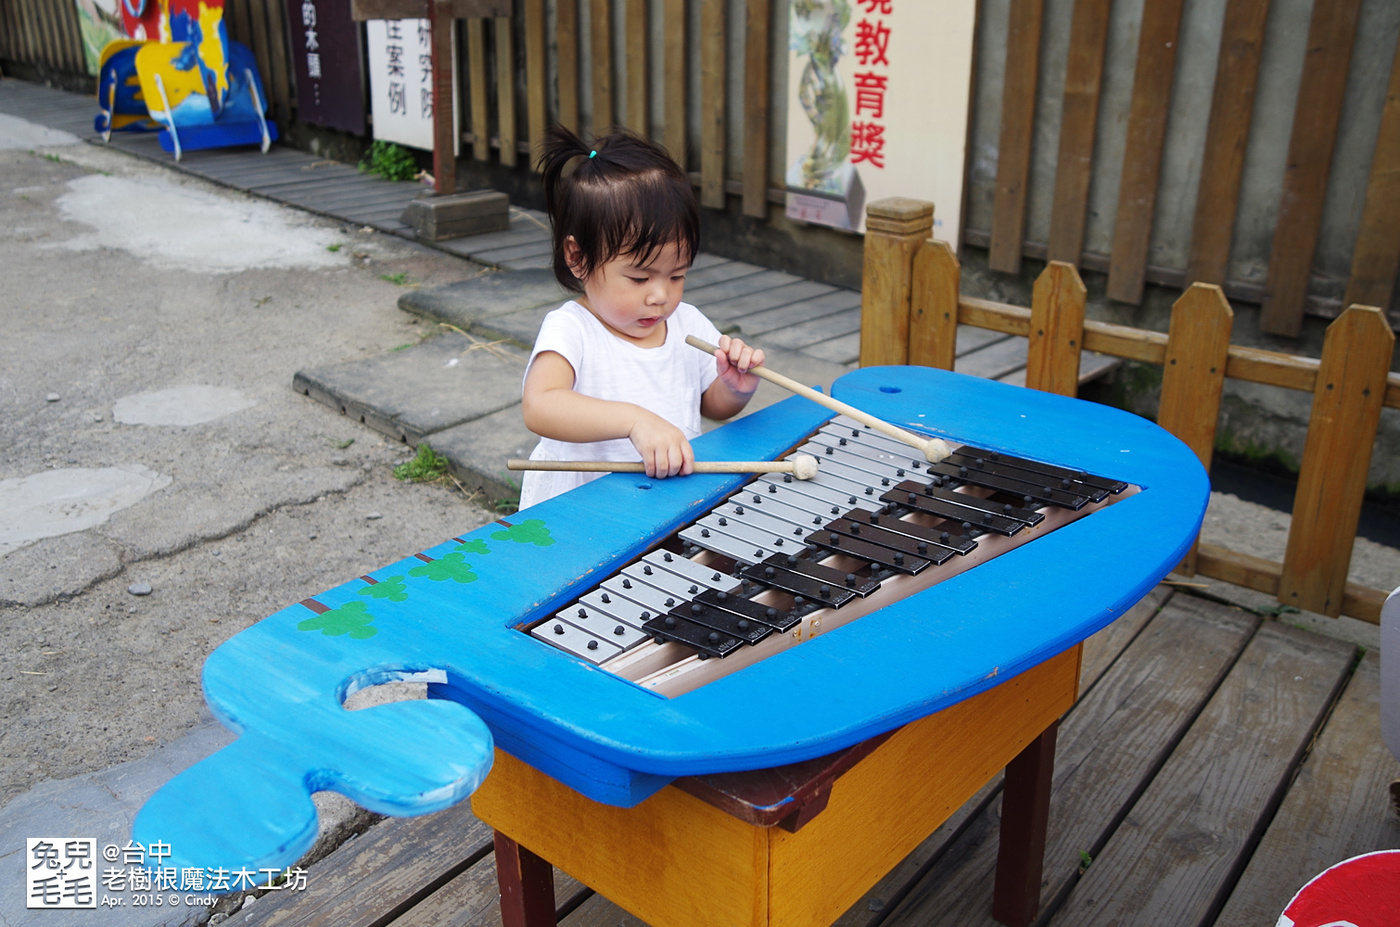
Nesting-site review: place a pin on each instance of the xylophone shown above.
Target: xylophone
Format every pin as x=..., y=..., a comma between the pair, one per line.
x=476, y=617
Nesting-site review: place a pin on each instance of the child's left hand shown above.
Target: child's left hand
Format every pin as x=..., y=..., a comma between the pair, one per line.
x=734, y=360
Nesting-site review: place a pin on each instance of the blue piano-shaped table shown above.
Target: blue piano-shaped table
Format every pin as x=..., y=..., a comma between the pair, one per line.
x=969, y=673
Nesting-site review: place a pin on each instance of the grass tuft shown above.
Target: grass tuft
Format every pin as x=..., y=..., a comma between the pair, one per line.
x=427, y=467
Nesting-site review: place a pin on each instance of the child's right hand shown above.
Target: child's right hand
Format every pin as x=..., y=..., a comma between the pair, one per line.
x=664, y=449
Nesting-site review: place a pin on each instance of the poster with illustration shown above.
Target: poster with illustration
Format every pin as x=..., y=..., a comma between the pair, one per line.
x=878, y=107
x=99, y=23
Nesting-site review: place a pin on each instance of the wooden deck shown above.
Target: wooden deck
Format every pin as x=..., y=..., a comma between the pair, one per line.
x=1215, y=761
x=768, y=307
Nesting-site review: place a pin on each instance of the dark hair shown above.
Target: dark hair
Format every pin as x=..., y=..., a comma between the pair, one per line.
x=622, y=195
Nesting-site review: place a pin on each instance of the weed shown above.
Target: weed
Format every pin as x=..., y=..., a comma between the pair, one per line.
x=404, y=346
x=333, y=248
x=389, y=161
x=261, y=301
x=1085, y=861
x=398, y=279
x=427, y=467
x=54, y=158
x=342, y=445
x=510, y=504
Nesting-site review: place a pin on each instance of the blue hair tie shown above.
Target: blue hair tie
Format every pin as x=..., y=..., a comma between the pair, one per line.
x=592, y=153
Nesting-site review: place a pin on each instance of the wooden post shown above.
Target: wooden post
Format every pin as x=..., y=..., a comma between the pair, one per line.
x=1057, y=330
x=933, y=306
x=444, y=147
x=1025, y=820
x=1346, y=412
x=1193, y=375
x=1377, y=256
x=526, y=882
x=894, y=228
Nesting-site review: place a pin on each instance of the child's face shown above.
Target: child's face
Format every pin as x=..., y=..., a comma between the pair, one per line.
x=634, y=299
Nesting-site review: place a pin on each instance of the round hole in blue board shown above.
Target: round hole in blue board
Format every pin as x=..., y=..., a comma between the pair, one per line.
x=891, y=389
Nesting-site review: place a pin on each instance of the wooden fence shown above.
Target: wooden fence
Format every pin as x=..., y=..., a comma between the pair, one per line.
x=1325, y=68
x=911, y=310
x=43, y=34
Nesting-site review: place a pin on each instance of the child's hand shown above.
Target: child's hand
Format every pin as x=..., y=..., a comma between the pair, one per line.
x=734, y=360
x=664, y=449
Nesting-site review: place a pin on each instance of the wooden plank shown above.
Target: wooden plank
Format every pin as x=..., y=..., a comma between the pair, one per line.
x=600, y=32
x=803, y=312
x=536, y=81
x=1017, y=133
x=638, y=67
x=1336, y=809
x=566, y=48
x=367, y=878
x=1111, y=745
x=933, y=305
x=69, y=41
x=1142, y=155
x=1376, y=258
x=712, y=94
x=476, y=84
x=894, y=229
x=279, y=81
x=1057, y=330
x=673, y=28
x=718, y=273
x=442, y=41
x=995, y=360
x=756, y=104
x=1231, y=109
x=799, y=337
x=764, y=279
x=472, y=899
x=505, y=89
x=1194, y=374
x=1099, y=652
x=754, y=303
x=262, y=40
x=1346, y=412
x=1262, y=575
x=1187, y=835
x=1088, y=37
x=1315, y=119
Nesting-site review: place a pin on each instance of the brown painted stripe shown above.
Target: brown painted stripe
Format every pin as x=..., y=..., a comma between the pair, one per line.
x=315, y=606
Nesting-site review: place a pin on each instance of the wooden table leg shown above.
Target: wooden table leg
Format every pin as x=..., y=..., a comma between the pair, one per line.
x=527, y=885
x=1025, y=815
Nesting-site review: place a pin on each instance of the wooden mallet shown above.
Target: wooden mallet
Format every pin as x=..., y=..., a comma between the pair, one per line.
x=801, y=466
x=934, y=449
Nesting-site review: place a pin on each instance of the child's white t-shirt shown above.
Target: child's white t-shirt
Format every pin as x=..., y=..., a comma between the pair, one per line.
x=667, y=380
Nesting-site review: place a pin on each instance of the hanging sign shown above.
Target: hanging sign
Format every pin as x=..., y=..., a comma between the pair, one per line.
x=879, y=107
x=401, y=82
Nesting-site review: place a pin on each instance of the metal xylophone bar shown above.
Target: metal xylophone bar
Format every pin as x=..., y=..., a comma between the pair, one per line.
x=763, y=559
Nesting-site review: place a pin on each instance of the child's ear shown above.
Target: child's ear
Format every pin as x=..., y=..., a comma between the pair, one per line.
x=573, y=257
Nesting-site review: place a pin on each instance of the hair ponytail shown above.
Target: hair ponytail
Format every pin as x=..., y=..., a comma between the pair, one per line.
x=622, y=195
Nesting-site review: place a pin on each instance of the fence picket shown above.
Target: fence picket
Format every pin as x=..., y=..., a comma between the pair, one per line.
x=933, y=306
x=600, y=31
x=476, y=88
x=1346, y=412
x=756, y=110
x=536, y=93
x=638, y=69
x=673, y=28
x=1193, y=375
x=1377, y=255
x=1080, y=114
x=566, y=47
x=1057, y=330
x=712, y=93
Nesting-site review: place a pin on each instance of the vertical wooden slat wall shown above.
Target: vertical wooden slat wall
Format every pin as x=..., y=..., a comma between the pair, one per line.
x=566, y=46
x=44, y=33
x=476, y=83
x=712, y=93
x=1122, y=248
x=673, y=28
x=756, y=109
x=505, y=89
x=638, y=66
x=600, y=31
x=536, y=102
